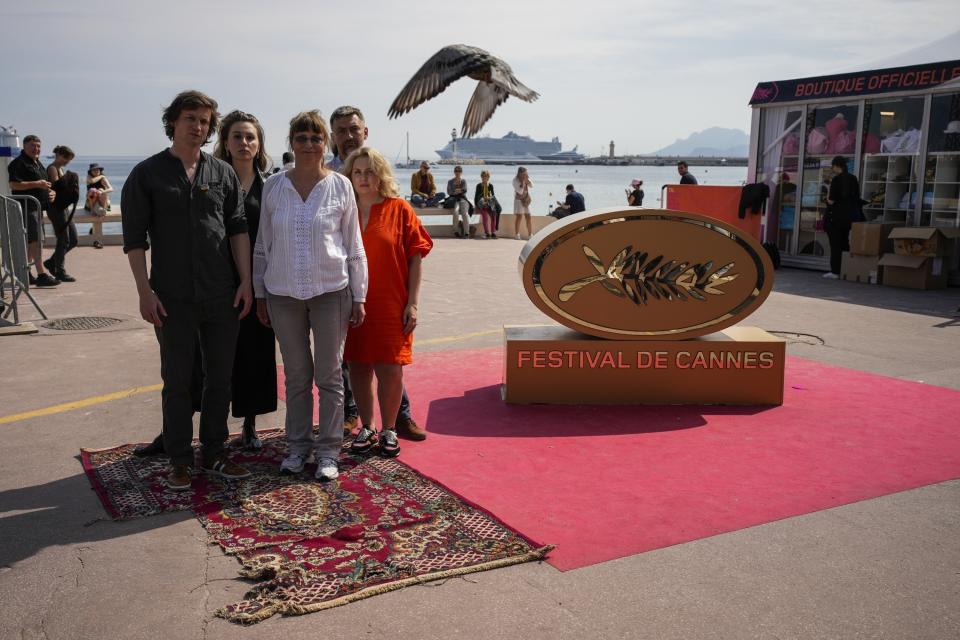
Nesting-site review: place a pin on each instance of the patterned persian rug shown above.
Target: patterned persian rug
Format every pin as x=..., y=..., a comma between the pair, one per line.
x=379, y=527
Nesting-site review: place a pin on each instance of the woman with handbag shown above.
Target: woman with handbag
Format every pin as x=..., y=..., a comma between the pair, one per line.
x=521, y=201
x=485, y=202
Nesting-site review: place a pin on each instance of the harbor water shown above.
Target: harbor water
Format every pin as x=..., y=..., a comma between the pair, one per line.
x=601, y=186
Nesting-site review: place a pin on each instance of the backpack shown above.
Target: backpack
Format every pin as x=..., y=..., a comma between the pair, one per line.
x=67, y=188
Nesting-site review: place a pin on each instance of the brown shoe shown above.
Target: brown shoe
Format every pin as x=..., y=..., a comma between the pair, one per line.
x=349, y=424
x=223, y=467
x=410, y=430
x=179, y=477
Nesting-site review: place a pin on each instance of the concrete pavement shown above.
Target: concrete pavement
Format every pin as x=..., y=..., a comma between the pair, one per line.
x=882, y=568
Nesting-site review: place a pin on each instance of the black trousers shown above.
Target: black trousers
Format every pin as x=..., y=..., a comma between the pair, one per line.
x=350, y=405
x=66, y=237
x=215, y=323
x=839, y=236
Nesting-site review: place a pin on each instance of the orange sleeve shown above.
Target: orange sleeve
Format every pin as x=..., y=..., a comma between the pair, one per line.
x=415, y=237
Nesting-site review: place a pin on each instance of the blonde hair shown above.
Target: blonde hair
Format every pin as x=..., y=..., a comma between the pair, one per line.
x=484, y=173
x=381, y=168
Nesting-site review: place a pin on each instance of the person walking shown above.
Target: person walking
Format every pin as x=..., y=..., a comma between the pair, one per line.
x=186, y=207
x=66, y=184
x=28, y=177
x=395, y=243
x=521, y=201
x=310, y=280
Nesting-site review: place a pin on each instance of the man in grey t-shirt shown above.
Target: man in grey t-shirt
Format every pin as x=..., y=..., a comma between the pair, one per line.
x=685, y=176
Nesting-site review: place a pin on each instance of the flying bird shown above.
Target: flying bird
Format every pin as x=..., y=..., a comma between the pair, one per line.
x=496, y=83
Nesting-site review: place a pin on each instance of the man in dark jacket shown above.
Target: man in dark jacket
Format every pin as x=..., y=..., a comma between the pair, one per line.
x=843, y=209
x=186, y=207
x=574, y=203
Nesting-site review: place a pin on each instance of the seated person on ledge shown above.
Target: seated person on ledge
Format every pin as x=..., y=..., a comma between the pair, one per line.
x=573, y=203
x=98, y=191
x=423, y=189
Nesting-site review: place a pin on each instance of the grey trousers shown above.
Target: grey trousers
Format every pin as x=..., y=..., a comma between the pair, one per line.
x=461, y=209
x=326, y=317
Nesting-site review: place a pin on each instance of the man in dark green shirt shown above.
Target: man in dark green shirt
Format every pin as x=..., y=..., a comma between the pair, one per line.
x=185, y=206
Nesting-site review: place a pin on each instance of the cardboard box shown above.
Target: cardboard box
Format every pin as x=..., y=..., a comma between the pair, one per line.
x=865, y=269
x=930, y=242
x=872, y=238
x=914, y=272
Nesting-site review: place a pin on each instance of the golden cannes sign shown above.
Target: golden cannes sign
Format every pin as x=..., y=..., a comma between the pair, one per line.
x=645, y=274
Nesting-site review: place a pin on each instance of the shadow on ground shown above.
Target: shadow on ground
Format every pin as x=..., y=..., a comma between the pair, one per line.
x=61, y=513
x=489, y=416
x=942, y=303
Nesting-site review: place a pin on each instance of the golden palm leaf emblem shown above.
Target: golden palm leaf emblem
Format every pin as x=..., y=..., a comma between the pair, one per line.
x=632, y=275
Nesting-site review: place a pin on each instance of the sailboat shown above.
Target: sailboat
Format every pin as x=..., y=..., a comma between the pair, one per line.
x=409, y=164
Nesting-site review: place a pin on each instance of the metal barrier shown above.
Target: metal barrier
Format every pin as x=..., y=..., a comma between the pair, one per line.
x=14, y=260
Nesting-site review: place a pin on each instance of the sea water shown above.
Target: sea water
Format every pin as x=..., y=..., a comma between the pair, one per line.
x=601, y=186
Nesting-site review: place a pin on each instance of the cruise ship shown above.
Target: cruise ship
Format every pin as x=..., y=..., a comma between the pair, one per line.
x=512, y=148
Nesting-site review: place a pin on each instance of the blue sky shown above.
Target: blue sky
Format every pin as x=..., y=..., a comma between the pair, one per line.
x=96, y=75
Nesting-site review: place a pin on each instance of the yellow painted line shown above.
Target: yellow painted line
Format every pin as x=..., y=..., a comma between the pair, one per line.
x=116, y=395
x=462, y=336
x=79, y=404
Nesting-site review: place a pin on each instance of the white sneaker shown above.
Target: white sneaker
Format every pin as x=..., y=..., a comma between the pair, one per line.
x=327, y=470
x=293, y=463
x=518, y=237
x=829, y=275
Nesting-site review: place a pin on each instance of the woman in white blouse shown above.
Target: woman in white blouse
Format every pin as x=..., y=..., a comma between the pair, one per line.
x=521, y=200
x=310, y=276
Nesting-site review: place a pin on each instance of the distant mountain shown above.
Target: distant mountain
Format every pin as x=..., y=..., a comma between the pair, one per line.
x=715, y=141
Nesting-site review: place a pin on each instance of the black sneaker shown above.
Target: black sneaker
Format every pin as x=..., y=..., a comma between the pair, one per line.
x=389, y=447
x=63, y=276
x=155, y=448
x=366, y=439
x=46, y=280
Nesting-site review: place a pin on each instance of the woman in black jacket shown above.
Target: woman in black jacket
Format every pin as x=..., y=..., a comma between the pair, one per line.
x=486, y=203
x=844, y=208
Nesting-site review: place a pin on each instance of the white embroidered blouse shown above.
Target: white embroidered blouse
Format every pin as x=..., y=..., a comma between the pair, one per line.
x=307, y=248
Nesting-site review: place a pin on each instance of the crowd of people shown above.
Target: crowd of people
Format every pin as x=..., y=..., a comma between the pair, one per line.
x=323, y=259
x=55, y=191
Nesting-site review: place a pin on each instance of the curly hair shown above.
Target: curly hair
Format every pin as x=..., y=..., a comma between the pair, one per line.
x=261, y=161
x=191, y=100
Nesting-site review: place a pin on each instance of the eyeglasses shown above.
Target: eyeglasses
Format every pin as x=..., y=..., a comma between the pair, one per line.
x=304, y=139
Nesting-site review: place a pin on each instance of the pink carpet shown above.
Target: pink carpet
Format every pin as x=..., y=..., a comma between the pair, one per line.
x=606, y=482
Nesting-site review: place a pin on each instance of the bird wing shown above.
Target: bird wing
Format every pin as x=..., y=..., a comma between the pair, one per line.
x=444, y=67
x=484, y=101
x=502, y=75
x=490, y=95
